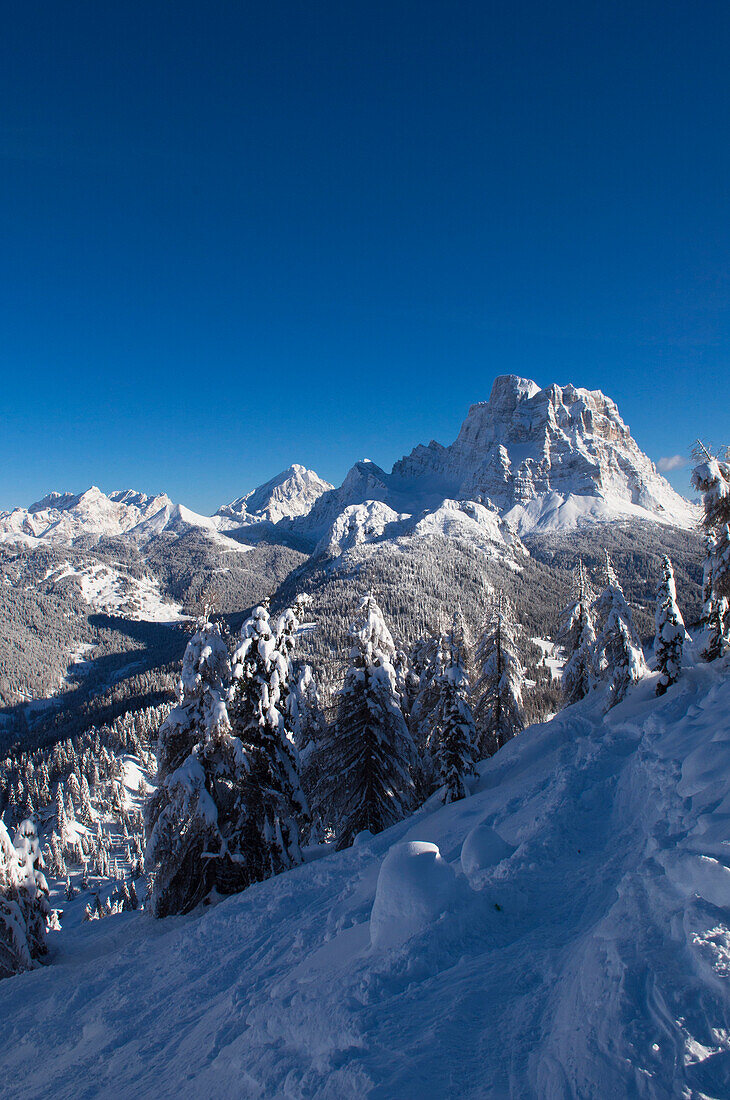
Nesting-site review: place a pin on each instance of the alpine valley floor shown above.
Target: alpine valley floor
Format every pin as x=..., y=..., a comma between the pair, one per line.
x=592, y=960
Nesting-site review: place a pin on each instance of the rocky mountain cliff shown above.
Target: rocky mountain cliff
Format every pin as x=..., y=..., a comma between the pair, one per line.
x=546, y=459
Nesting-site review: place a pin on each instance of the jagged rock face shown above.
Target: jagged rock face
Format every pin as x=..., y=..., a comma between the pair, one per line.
x=547, y=459
x=291, y=493
x=526, y=443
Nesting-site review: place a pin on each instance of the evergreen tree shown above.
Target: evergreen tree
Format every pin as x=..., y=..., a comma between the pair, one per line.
x=33, y=888
x=60, y=812
x=619, y=660
x=453, y=739
x=305, y=713
x=287, y=628
x=498, y=688
x=367, y=753
x=712, y=478
x=670, y=631
x=57, y=863
x=577, y=636
x=200, y=773
x=308, y=727
x=87, y=810
x=15, y=953
x=132, y=895
x=261, y=718
x=423, y=669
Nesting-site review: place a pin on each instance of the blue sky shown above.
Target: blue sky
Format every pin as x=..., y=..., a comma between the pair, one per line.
x=237, y=235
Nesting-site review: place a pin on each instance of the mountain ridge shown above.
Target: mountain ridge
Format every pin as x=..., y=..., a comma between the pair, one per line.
x=547, y=459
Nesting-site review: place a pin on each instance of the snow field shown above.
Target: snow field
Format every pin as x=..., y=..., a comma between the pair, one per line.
x=587, y=954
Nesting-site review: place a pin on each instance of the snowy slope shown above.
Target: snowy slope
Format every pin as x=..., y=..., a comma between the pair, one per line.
x=115, y=593
x=359, y=523
x=592, y=959
x=465, y=520
x=174, y=520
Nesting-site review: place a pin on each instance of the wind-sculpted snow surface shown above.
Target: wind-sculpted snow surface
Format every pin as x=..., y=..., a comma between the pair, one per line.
x=593, y=959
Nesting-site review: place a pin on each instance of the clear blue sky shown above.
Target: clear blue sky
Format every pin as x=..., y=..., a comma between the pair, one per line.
x=239, y=235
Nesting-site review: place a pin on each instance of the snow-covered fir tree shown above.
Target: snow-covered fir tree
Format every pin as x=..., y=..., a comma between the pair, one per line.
x=619, y=659
x=305, y=712
x=15, y=953
x=193, y=819
x=287, y=628
x=712, y=478
x=57, y=863
x=500, y=676
x=61, y=817
x=367, y=753
x=452, y=740
x=670, y=630
x=423, y=669
x=261, y=718
x=308, y=728
x=33, y=888
x=577, y=636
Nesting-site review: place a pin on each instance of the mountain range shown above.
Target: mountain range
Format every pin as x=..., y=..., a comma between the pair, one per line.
x=527, y=460
x=535, y=479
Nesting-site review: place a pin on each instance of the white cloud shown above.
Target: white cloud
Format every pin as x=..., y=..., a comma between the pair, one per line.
x=671, y=462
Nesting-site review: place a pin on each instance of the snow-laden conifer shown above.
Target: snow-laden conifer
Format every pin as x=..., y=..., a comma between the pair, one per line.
x=200, y=775
x=577, y=636
x=500, y=676
x=259, y=709
x=453, y=738
x=670, y=630
x=619, y=659
x=15, y=953
x=712, y=478
x=368, y=752
x=308, y=729
x=33, y=888
x=57, y=863
x=305, y=711
x=424, y=670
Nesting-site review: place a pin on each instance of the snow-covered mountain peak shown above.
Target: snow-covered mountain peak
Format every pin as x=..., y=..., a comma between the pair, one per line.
x=139, y=500
x=527, y=444
x=552, y=458
x=291, y=493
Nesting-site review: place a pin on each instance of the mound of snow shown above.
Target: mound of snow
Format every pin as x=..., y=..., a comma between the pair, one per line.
x=482, y=849
x=415, y=886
